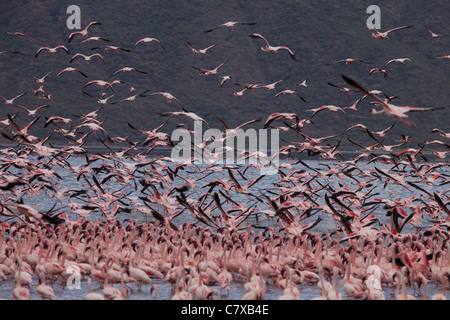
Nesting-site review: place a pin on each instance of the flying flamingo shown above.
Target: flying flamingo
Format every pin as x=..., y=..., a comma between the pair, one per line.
x=211, y=72
x=383, y=35
x=379, y=70
x=101, y=101
x=70, y=69
x=169, y=97
x=230, y=25
x=8, y=52
x=32, y=113
x=18, y=34
x=224, y=79
x=332, y=108
x=95, y=39
x=51, y=50
x=434, y=35
x=83, y=32
x=127, y=69
x=398, y=60
x=269, y=48
x=389, y=109
x=351, y=60
x=40, y=80
x=133, y=97
x=11, y=101
x=103, y=83
x=289, y=92
x=302, y=84
x=276, y=116
x=111, y=48
x=200, y=51
x=148, y=41
x=87, y=58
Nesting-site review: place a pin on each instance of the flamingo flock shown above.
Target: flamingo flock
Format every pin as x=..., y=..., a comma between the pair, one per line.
x=373, y=227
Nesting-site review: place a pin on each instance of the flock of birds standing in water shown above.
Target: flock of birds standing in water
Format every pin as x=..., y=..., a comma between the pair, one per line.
x=362, y=258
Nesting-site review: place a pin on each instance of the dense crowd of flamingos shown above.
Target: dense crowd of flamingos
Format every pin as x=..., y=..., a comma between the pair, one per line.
x=381, y=247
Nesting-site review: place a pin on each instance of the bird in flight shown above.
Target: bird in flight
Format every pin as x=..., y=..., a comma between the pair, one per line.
x=290, y=92
x=127, y=69
x=200, y=51
x=383, y=35
x=379, y=70
x=51, y=50
x=111, y=48
x=398, y=60
x=83, y=32
x=8, y=52
x=351, y=60
x=70, y=69
x=101, y=101
x=211, y=72
x=95, y=39
x=269, y=48
x=434, y=35
x=389, y=109
x=148, y=41
x=230, y=25
x=11, y=101
x=18, y=34
x=87, y=58
x=32, y=113
x=40, y=80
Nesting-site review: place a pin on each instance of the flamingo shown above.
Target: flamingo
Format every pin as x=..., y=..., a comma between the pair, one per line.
x=390, y=109
x=44, y=291
x=83, y=32
x=148, y=41
x=92, y=295
x=211, y=72
x=87, y=58
x=40, y=80
x=269, y=48
x=302, y=84
x=70, y=69
x=434, y=35
x=32, y=113
x=351, y=61
x=289, y=92
x=99, y=100
x=111, y=48
x=128, y=69
x=11, y=101
x=334, y=293
x=19, y=292
x=95, y=39
x=379, y=70
x=383, y=35
x=8, y=52
x=103, y=83
x=52, y=50
x=138, y=275
x=18, y=34
x=200, y=51
x=397, y=60
x=230, y=25
x=169, y=97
